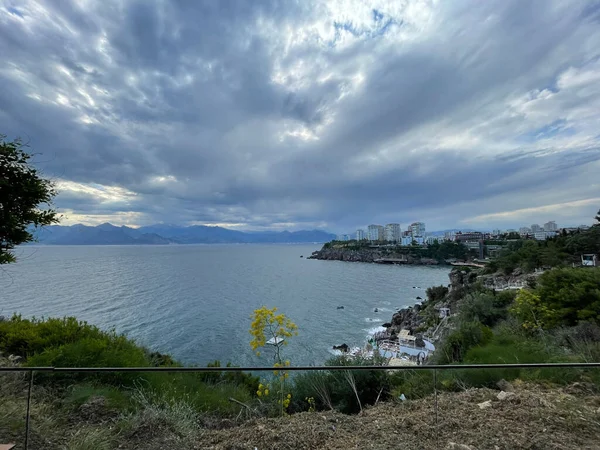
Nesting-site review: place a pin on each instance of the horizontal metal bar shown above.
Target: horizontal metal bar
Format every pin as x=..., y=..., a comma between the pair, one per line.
x=302, y=368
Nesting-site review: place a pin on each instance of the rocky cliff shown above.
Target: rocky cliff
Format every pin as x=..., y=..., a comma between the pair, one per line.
x=370, y=255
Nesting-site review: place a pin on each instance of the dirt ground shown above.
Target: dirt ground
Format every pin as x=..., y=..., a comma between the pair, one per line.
x=531, y=418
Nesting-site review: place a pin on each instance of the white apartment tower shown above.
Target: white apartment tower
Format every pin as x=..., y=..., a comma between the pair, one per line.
x=417, y=229
x=361, y=235
x=376, y=233
x=550, y=226
x=392, y=232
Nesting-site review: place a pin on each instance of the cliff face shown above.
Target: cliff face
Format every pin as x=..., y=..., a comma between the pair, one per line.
x=418, y=318
x=370, y=255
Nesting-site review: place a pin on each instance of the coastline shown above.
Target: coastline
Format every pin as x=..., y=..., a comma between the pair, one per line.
x=375, y=256
x=445, y=253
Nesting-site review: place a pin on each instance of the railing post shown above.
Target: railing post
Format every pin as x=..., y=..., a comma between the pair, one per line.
x=28, y=410
x=436, y=396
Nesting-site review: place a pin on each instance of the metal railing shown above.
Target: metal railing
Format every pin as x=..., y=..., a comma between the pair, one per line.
x=432, y=367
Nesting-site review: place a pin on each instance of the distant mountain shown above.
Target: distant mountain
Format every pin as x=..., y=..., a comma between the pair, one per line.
x=105, y=234
x=108, y=234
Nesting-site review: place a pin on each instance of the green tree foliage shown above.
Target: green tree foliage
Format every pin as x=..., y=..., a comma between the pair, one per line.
x=533, y=314
x=436, y=293
x=574, y=294
x=562, y=297
x=559, y=251
x=22, y=191
x=487, y=308
x=445, y=250
x=456, y=345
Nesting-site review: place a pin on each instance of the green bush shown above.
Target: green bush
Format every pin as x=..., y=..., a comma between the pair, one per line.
x=412, y=383
x=249, y=381
x=24, y=337
x=574, y=294
x=480, y=308
x=456, y=345
x=333, y=389
x=436, y=293
x=191, y=389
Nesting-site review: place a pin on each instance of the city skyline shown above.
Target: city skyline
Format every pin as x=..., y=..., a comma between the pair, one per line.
x=549, y=226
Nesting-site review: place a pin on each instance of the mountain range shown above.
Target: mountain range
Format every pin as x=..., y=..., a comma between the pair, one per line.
x=108, y=234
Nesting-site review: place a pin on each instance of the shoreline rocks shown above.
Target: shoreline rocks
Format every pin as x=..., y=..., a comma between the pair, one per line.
x=370, y=255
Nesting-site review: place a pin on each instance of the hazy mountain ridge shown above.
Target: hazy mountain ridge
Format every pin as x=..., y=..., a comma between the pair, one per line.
x=108, y=234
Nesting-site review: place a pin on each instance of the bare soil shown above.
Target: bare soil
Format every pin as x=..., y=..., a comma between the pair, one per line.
x=532, y=418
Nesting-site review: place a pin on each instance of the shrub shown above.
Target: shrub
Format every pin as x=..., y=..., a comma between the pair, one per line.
x=573, y=293
x=412, y=383
x=436, y=293
x=190, y=389
x=456, y=345
x=533, y=313
x=24, y=337
x=484, y=307
x=346, y=391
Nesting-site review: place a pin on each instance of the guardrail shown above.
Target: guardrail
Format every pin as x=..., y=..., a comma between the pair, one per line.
x=433, y=367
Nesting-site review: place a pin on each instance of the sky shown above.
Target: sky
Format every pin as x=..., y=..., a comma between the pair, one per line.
x=308, y=114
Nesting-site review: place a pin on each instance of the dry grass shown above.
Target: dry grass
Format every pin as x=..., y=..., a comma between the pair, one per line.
x=535, y=418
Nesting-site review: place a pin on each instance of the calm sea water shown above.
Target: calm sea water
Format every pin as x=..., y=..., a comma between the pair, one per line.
x=195, y=301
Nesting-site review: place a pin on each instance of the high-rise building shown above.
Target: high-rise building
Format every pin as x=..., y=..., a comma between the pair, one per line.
x=431, y=239
x=550, y=226
x=449, y=235
x=361, y=235
x=375, y=233
x=524, y=231
x=417, y=229
x=392, y=232
x=535, y=228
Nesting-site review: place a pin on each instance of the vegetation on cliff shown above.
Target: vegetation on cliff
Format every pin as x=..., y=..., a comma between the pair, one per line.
x=560, y=251
x=438, y=252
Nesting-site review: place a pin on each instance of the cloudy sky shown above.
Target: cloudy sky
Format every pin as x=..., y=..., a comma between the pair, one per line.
x=304, y=114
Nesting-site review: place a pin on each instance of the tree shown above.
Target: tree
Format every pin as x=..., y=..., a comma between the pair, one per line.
x=533, y=313
x=573, y=293
x=597, y=217
x=22, y=191
x=274, y=329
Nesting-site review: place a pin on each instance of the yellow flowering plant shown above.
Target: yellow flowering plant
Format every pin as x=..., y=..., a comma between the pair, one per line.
x=268, y=327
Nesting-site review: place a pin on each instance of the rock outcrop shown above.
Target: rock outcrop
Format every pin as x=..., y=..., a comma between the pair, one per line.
x=370, y=255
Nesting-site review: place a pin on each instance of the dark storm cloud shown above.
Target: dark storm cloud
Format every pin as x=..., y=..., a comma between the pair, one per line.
x=308, y=114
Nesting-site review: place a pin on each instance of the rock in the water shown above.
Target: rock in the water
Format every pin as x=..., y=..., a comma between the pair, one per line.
x=340, y=307
x=485, y=405
x=344, y=348
x=386, y=324
x=419, y=298
x=504, y=385
x=375, y=310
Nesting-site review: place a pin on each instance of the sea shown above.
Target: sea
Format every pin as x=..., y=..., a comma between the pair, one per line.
x=195, y=302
